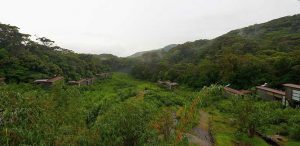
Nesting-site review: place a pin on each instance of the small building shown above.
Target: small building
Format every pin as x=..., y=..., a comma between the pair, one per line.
x=87, y=81
x=103, y=76
x=90, y=81
x=50, y=82
x=271, y=94
x=79, y=82
x=2, y=81
x=292, y=94
x=168, y=84
x=230, y=91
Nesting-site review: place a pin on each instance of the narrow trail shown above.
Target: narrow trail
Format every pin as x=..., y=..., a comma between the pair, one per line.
x=200, y=135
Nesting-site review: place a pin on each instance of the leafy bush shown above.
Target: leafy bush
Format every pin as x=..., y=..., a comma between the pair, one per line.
x=125, y=124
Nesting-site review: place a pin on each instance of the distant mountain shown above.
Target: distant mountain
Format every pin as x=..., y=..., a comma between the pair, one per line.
x=165, y=49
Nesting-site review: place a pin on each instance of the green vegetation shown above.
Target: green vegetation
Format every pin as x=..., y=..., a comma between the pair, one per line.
x=129, y=110
x=236, y=119
x=244, y=58
x=119, y=111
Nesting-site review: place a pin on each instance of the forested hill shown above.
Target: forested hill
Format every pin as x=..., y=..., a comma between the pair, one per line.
x=268, y=52
x=161, y=50
x=23, y=60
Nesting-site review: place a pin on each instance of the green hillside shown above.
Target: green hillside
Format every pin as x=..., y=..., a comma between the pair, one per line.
x=244, y=58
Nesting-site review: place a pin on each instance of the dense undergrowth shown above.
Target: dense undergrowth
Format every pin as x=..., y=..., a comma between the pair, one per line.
x=119, y=111
x=126, y=111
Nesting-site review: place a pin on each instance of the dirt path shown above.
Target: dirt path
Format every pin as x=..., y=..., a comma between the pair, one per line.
x=200, y=135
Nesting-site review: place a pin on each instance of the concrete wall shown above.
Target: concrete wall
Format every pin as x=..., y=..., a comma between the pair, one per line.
x=289, y=96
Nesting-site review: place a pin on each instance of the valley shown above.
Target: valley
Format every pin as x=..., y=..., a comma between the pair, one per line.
x=126, y=111
x=238, y=89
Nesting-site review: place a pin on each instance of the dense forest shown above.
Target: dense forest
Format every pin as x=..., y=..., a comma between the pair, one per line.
x=131, y=109
x=244, y=58
x=23, y=60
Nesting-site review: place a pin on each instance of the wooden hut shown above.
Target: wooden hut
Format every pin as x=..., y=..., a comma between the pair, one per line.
x=87, y=81
x=168, y=84
x=292, y=94
x=91, y=80
x=103, y=76
x=271, y=94
x=50, y=82
x=80, y=82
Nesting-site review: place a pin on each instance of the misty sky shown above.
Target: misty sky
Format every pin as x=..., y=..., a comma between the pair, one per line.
x=123, y=27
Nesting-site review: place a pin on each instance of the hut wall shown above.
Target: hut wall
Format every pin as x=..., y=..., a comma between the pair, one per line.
x=228, y=94
x=266, y=95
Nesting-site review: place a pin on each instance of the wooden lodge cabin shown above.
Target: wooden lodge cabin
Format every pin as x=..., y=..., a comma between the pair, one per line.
x=2, y=81
x=81, y=82
x=103, y=76
x=271, y=94
x=168, y=84
x=292, y=94
x=50, y=82
x=230, y=92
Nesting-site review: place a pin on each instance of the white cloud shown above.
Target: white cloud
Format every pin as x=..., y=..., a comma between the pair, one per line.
x=123, y=27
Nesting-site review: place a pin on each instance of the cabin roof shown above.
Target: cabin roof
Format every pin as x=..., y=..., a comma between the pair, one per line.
x=78, y=81
x=233, y=90
x=174, y=84
x=81, y=80
x=104, y=73
x=246, y=91
x=169, y=83
x=271, y=90
x=41, y=80
x=72, y=81
x=292, y=85
x=55, y=79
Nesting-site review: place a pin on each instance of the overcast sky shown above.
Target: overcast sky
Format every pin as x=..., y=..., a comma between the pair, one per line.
x=123, y=27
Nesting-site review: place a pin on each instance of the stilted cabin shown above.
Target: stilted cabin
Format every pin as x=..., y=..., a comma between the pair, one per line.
x=271, y=94
x=50, y=82
x=81, y=82
x=103, y=76
x=168, y=84
x=2, y=81
x=230, y=92
x=292, y=94
x=92, y=80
